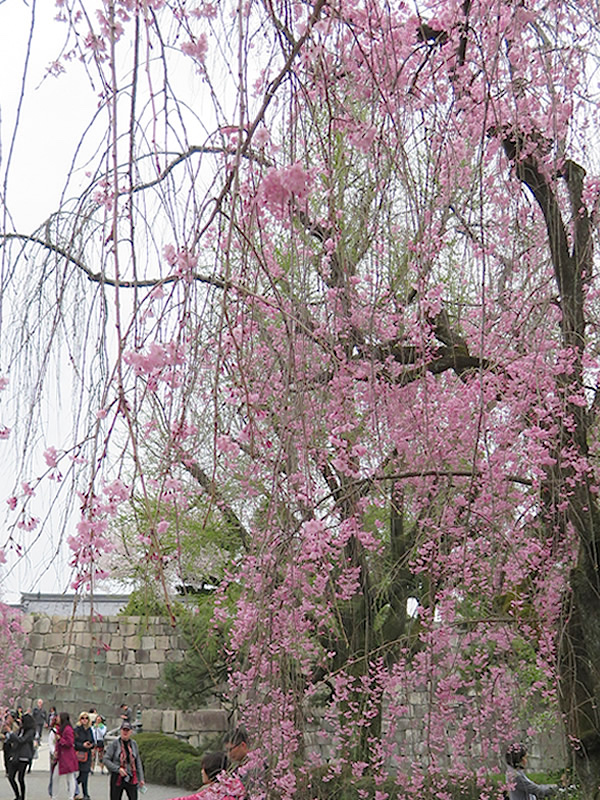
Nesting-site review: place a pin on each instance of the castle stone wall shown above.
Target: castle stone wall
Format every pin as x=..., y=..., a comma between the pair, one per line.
x=80, y=663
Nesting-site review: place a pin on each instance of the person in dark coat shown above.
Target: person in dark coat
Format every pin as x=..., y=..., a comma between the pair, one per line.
x=20, y=755
x=84, y=745
x=40, y=718
x=10, y=725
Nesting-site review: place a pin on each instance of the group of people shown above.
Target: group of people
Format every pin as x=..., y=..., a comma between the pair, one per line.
x=74, y=750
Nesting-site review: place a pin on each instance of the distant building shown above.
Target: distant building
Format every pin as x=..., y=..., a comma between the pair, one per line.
x=62, y=605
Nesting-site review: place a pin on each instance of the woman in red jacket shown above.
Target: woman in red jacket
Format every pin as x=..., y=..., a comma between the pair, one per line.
x=66, y=760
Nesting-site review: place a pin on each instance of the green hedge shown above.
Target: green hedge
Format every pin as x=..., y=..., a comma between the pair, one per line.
x=160, y=756
x=189, y=773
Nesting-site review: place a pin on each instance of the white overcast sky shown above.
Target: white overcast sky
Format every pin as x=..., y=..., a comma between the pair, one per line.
x=36, y=157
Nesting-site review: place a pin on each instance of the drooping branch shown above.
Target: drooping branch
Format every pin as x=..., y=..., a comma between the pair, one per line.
x=100, y=277
x=210, y=487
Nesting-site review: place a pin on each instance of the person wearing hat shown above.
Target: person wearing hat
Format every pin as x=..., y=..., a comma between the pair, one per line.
x=123, y=762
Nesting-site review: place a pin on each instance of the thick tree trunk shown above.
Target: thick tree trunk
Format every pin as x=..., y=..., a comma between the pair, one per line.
x=579, y=646
x=580, y=670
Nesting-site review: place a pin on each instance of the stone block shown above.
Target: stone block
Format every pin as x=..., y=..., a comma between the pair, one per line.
x=142, y=656
x=36, y=641
x=78, y=682
x=152, y=719
x=27, y=623
x=150, y=670
x=53, y=640
x=115, y=642
x=147, y=642
x=208, y=719
x=113, y=657
x=42, y=658
x=126, y=628
x=169, y=721
x=147, y=701
x=133, y=642
x=140, y=685
x=74, y=664
x=133, y=671
x=43, y=625
x=158, y=656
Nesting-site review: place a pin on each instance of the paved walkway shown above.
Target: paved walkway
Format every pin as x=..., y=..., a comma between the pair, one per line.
x=36, y=784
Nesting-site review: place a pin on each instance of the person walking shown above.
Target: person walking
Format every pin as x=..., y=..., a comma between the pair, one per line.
x=99, y=731
x=52, y=752
x=40, y=718
x=21, y=755
x=122, y=760
x=66, y=760
x=84, y=745
x=10, y=725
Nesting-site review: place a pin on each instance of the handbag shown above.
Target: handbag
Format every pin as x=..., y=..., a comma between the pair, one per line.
x=82, y=755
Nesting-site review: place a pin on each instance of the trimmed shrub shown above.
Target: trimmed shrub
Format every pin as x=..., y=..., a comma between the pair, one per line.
x=189, y=773
x=160, y=755
x=161, y=767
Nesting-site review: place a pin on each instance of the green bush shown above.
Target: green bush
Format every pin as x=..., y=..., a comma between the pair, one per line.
x=189, y=773
x=161, y=767
x=150, y=742
x=160, y=756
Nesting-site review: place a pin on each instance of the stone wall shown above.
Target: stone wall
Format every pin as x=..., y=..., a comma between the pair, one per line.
x=204, y=729
x=82, y=663
x=77, y=664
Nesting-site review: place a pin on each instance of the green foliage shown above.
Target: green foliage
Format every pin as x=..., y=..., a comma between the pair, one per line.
x=144, y=603
x=203, y=671
x=160, y=756
x=149, y=743
x=161, y=767
x=189, y=773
